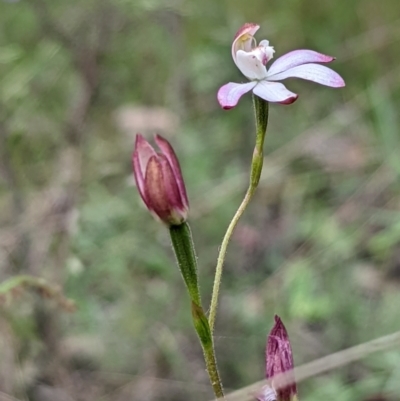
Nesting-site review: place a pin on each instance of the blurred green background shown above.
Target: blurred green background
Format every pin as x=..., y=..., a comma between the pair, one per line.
x=319, y=245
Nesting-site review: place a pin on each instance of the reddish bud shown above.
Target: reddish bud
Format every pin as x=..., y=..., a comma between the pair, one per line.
x=159, y=180
x=279, y=359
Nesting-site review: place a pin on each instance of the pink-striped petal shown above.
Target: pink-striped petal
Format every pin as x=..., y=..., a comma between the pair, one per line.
x=155, y=191
x=161, y=190
x=229, y=94
x=297, y=57
x=311, y=72
x=141, y=155
x=169, y=153
x=171, y=186
x=274, y=92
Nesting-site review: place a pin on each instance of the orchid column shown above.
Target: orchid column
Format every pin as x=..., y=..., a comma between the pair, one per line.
x=251, y=61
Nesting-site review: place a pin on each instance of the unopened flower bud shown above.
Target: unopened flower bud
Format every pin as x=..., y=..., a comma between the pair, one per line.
x=159, y=180
x=279, y=359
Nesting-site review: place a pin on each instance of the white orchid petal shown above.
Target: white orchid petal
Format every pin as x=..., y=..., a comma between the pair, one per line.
x=244, y=38
x=250, y=65
x=297, y=57
x=264, y=52
x=311, y=72
x=229, y=94
x=274, y=92
x=264, y=43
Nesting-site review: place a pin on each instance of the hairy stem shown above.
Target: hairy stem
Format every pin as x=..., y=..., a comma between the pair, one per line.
x=182, y=242
x=261, y=116
x=183, y=245
x=202, y=327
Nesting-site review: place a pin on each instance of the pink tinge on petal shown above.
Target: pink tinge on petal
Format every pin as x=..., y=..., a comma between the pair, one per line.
x=141, y=155
x=297, y=57
x=161, y=191
x=229, y=94
x=274, y=92
x=177, y=209
x=169, y=153
x=311, y=72
x=243, y=39
x=249, y=28
x=154, y=188
x=144, y=150
x=267, y=50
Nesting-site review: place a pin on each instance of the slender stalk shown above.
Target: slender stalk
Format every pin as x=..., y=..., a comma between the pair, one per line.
x=182, y=241
x=222, y=253
x=212, y=369
x=261, y=116
x=202, y=326
x=183, y=245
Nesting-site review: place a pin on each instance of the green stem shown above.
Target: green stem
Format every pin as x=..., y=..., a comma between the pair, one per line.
x=202, y=326
x=261, y=116
x=261, y=111
x=222, y=254
x=183, y=245
x=182, y=241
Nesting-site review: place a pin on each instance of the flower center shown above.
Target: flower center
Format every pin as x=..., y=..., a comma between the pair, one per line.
x=266, y=50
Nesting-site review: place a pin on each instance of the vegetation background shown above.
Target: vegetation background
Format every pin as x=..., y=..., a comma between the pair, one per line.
x=320, y=244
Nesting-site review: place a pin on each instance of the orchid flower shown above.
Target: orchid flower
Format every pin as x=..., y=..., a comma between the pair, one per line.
x=252, y=60
x=159, y=180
